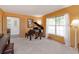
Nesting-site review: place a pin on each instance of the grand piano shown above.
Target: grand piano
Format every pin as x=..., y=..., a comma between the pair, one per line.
x=36, y=31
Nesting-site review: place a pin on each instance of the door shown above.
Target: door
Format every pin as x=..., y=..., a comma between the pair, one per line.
x=13, y=24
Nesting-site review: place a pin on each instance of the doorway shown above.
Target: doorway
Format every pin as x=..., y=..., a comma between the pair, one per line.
x=13, y=23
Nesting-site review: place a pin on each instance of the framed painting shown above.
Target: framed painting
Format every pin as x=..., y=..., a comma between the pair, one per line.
x=30, y=23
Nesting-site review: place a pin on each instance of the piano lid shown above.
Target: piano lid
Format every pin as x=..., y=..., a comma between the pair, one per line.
x=38, y=25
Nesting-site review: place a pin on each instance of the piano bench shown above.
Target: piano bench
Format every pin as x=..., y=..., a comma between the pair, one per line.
x=9, y=49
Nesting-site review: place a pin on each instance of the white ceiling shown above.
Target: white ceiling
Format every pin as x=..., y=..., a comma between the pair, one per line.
x=34, y=10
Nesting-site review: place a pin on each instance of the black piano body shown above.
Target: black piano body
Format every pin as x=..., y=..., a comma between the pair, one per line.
x=37, y=31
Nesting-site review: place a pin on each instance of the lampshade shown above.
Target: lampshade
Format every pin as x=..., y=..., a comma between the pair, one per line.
x=75, y=23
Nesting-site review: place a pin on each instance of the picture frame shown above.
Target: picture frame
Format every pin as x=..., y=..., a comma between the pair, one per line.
x=30, y=23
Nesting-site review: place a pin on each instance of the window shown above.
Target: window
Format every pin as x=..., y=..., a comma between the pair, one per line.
x=51, y=25
x=56, y=25
x=60, y=25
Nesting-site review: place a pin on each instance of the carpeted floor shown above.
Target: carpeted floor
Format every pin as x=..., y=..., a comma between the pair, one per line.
x=44, y=46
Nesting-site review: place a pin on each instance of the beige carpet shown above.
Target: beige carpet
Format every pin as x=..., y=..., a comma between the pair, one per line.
x=44, y=46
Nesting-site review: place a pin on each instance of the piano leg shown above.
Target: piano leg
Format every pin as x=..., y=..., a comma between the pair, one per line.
x=30, y=37
x=36, y=35
x=26, y=35
x=40, y=37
